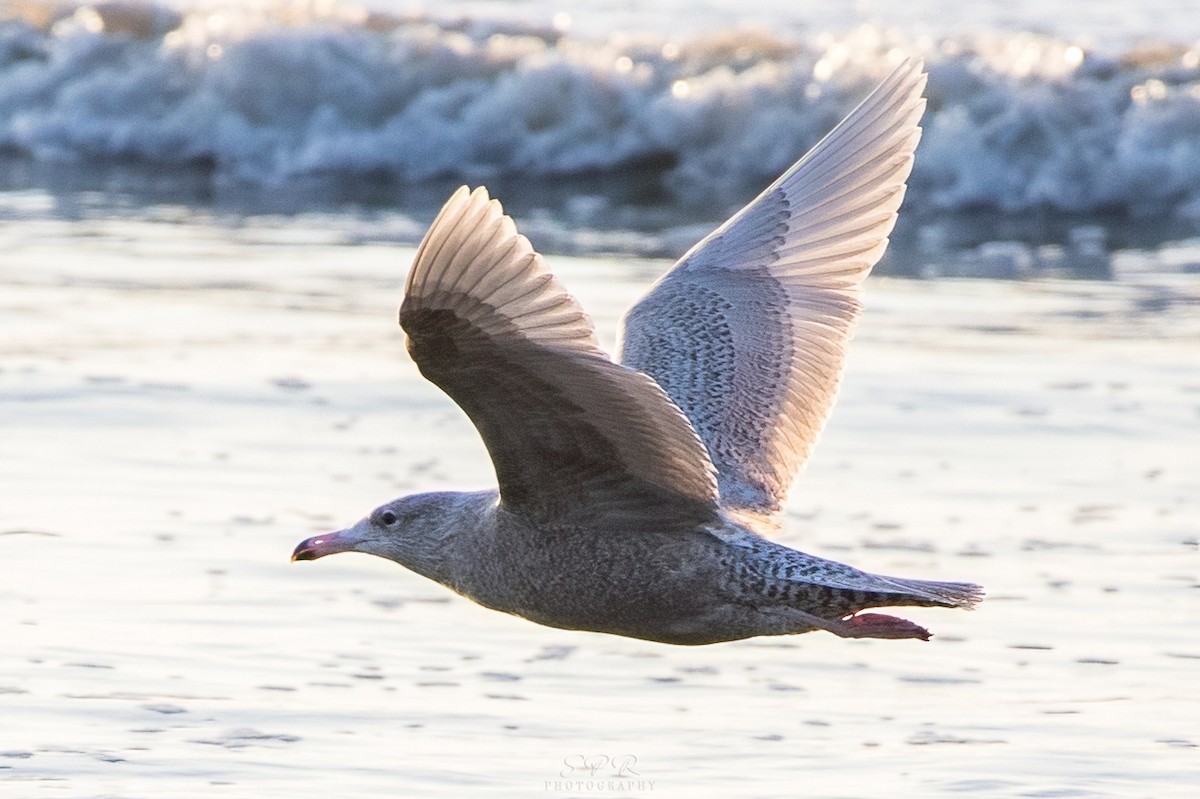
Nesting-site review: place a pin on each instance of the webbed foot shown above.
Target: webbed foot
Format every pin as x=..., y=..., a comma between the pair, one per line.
x=878, y=625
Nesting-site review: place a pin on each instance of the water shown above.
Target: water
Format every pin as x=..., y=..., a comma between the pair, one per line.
x=173, y=422
x=618, y=129
x=203, y=251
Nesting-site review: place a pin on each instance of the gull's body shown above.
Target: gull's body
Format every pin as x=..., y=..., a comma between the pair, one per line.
x=632, y=497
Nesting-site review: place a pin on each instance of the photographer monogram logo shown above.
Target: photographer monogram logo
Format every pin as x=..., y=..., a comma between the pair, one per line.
x=600, y=774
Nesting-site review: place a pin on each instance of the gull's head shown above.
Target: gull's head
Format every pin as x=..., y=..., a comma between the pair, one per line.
x=411, y=531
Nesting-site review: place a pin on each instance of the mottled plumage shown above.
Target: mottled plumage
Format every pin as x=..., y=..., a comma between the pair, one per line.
x=632, y=497
x=747, y=334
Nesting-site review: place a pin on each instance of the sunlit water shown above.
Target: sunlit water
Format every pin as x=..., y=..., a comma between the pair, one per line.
x=613, y=127
x=181, y=403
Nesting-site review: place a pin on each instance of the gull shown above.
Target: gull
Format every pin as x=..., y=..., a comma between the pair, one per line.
x=636, y=497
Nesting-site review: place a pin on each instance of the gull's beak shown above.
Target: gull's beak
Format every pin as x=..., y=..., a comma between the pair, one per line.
x=328, y=544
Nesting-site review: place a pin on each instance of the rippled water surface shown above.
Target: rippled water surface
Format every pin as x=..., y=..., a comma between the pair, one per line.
x=180, y=404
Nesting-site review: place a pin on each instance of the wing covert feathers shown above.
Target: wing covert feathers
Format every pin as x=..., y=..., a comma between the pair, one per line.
x=568, y=430
x=748, y=332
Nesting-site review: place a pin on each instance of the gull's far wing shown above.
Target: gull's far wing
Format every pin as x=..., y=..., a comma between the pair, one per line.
x=748, y=332
x=571, y=434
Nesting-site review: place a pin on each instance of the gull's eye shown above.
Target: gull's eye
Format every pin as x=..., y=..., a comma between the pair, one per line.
x=387, y=518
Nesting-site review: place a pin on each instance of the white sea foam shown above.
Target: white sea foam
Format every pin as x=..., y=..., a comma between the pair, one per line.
x=268, y=93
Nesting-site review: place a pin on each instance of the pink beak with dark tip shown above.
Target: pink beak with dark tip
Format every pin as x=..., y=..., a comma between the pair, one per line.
x=325, y=544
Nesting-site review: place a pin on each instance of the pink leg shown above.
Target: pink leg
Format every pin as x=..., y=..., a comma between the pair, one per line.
x=877, y=625
x=863, y=625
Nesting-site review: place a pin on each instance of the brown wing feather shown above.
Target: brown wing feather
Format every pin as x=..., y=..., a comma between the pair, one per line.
x=569, y=432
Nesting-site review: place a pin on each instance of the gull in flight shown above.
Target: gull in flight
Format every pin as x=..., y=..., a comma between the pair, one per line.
x=635, y=496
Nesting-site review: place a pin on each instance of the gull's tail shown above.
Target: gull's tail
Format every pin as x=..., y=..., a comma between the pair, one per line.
x=930, y=593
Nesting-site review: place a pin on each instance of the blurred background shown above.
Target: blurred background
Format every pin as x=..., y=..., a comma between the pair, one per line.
x=1057, y=135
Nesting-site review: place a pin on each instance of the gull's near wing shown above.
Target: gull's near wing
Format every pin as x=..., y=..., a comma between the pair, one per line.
x=570, y=433
x=748, y=332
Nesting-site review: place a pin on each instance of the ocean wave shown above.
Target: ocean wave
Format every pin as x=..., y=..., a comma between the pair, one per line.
x=271, y=93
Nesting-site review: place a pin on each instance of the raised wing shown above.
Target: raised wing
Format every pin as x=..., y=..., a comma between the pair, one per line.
x=570, y=433
x=748, y=332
